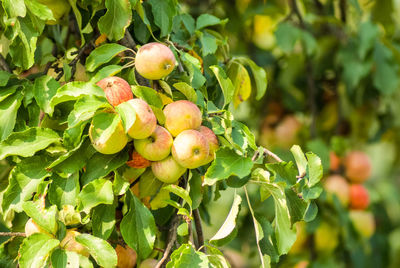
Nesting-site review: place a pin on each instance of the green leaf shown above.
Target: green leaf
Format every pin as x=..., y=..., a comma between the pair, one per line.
x=39, y=10
x=297, y=206
x=85, y=108
x=149, y=185
x=314, y=169
x=386, y=72
x=99, y=249
x=138, y=227
x=94, y=193
x=259, y=74
x=26, y=143
x=64, y=259
x=44, y=89
x=186, y=90
x=368, y=33
x=4, y=77
x=286, y=36
x=64, y=190
x=186, y=256
x=103, y=54
x=230, y=222
x=163, y=12
x=45, y=218
x=6, y=92
x=226, y=84
x=216, y=258
x=179, y=191
x=73, y=91
x=183, y=229
x=205, y=20
x=23, y=182
x=195, y=192
x=36, y=249
x=227, y=163
x=103, y=220
x=117, y=18
x=283, y=172
x=120, y=184
x=128, y=115
x=8, y=114
x=166, y=87
x=148, y=94
x=208, y=43
x=301, y=160
x=109, y=70
x=14, y=8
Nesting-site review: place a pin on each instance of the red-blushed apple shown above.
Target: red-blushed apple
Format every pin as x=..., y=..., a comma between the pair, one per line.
x=167, y=170
x=326, y=237
x=154, y=61
x=70, y=244
x=145, y=122
x=138, y=161
x=117, y=90
x=32, y=227
x=148, y=263
x=358, y=166
x=334, y=161
x=363, y=222
x=157, y=146
x=359, y=197
x=336, y=184
x=212, y=142
x=126, y=257
x=190, y=149
x=181, y=115
x=107, y=133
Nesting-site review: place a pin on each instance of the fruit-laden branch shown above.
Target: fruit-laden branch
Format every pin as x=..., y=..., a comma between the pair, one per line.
x=12, y=234
x=4, y=64
x=199, y=230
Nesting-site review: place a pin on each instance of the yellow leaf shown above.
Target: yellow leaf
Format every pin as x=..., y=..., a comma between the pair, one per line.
x=241, y=81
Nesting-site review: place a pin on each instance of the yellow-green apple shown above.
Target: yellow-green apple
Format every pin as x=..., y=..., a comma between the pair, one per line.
x=167, y=170
x=334, y=161
x=190, y=149
x=212, y=142
x=181, y=115
x=359, y=197
x=358, y=166
x=32, y=227
x=326, y=237
x=57, y=7
x=157, y=146
x=145, y=121
x=117, y=90
x=126, y=257
x=363, y=222
x=70, y=244
x=107, y=133
x=148, y=263
x=337, y=185
x=154, y=61
x=138, y=161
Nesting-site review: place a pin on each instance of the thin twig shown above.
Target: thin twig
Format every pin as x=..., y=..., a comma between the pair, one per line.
x=78, y=57
x=171, y=239
x=199, y=230
x=274, y=156
x=12, y=234
x=342, y=8
x=4, y=64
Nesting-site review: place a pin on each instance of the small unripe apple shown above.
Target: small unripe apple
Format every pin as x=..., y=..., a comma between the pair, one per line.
x=154, y=61
x=363, y=222
x=326, y=237
x=336, y=184
x=117, y=90
x=212, y=142
x=148, y=263
x=58, y=7
x=190, y=149
x=157, y=146
x=181, y=115
x=359, y=197
x=32, y=227
x=334, y=161
x=167, y=170
x=138, y=161
x=107, y=133
x=70, y=244
x=126, y=257
x=145, y=122
x=358, y=167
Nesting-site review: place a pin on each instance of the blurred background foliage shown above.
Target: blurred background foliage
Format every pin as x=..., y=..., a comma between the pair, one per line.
x=333, y=73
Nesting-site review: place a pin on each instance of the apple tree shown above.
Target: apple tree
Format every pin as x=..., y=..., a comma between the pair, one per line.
x=117, y=134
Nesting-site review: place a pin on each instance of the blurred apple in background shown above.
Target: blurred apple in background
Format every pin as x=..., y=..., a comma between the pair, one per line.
x=358, y=166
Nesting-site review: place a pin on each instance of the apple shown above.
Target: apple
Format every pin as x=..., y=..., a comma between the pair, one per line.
x=157, y=146
x=167, y=170
x=334, y=161
x=138, y=161
x=363, y=222
x=58, y=7
x=287, y=130
x=358, y=166
x=148, y=263
x=145, y=122
x=190, y=149
x=117, y=90
x=69, y=243
x=154, y=61
x=359, y=197
x=212, y=142
x=32, y=227
x=336, y=184
x=126, y=257
x=326, y=237
x=181, y=115
x=107, y=133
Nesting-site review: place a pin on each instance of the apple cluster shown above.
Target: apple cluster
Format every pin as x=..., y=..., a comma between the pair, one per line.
x=350, y=190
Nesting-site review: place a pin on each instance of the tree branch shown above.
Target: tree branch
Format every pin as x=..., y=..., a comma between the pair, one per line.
x=4, y=64
x=12, y=234
x=274, y=156
x=199, y=230
x=342, y=8
x=171, y=240
x=78, y=57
